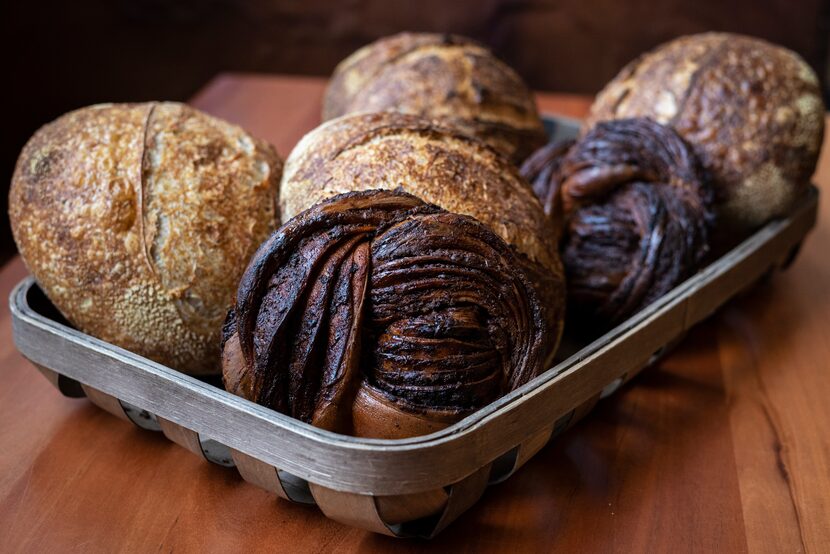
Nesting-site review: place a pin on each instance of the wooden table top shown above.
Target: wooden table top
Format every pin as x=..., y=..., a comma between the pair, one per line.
x=725, y=446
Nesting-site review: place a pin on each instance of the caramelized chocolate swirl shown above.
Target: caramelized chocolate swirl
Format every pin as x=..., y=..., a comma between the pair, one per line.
x=376, y=314
x=637, y=215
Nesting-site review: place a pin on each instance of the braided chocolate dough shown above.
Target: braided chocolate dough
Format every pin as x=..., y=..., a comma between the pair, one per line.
x=376, y=314
x=637, y=215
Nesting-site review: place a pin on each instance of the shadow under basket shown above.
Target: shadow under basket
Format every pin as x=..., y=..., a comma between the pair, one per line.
x=405, y=488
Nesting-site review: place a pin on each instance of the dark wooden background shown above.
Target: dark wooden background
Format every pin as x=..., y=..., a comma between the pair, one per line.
x=63, y=55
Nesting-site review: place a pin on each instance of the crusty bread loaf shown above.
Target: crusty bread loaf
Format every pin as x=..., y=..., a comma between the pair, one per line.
x=444, y=77
x=387, y=150
x=751, y=110
x=138, y=219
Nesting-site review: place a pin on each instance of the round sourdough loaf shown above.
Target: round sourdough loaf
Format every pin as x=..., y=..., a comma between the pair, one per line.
x=751, y=110
x=138, y=219
x=388, y=150
x=444, y=77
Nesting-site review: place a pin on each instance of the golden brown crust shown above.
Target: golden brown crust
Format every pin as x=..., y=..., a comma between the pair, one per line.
x=137, y=220
x=752, y=111
x=443, y=77
x=388, y=150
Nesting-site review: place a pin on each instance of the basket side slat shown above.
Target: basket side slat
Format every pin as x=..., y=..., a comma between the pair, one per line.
x=259, y=473
x=182, y=436
x=531, y=446
x=462, y=495
x=357, y=510
x=402, y=508
x=105, y=401
x=51, y=376
x=67, y=387
x=582, y=410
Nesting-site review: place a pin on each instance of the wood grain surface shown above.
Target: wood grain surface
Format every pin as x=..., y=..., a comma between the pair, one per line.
x=723, y=447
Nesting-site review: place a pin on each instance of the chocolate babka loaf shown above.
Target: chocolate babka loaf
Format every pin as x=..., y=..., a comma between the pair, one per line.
x=637, y=215
x=376, y=314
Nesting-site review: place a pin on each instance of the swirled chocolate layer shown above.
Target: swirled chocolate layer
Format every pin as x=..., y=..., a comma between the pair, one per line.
x=637, y=215
x=376, y=314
